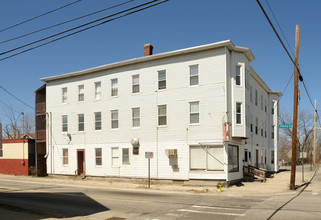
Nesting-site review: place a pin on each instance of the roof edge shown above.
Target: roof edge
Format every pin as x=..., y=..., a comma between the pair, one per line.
x=226, y=43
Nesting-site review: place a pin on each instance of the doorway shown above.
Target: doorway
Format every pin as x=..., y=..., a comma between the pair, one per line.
x=81, y=162
x=257, y=158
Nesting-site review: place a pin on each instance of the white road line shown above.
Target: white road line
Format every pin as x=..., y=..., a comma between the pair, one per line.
x=214, y=207
x=213, y=213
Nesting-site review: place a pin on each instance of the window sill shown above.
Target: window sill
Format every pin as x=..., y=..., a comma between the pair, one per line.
x=194, y=124
x=162, y=126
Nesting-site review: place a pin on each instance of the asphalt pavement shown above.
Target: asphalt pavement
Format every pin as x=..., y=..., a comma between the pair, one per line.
x=105, y=198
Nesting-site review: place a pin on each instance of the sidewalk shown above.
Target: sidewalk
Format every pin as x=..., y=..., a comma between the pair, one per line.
x=279, y=184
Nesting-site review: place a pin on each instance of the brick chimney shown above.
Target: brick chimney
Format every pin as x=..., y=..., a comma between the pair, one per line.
x=148, y=49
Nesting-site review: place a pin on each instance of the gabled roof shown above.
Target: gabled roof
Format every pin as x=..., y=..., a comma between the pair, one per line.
x=205, y=47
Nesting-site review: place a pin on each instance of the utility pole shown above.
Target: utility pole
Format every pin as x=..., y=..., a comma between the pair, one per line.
x=315, y=129
x=295, y=109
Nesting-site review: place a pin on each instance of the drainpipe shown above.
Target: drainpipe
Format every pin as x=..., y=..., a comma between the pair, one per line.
x=51, y=142
x=47, y=138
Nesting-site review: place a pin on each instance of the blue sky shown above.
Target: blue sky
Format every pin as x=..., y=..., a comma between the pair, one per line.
x=173, y=25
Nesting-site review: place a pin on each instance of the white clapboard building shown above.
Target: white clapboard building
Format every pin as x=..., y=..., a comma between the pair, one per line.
x=200, y=112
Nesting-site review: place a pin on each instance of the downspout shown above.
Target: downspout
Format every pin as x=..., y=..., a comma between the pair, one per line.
x=51, y=156
x=47, y=138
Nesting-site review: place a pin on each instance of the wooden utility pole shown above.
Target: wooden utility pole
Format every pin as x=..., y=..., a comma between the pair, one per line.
x=315, y=129
x=295, y=108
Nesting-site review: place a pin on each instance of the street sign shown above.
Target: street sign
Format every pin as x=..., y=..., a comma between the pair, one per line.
x=149, y=154
x=285, y=125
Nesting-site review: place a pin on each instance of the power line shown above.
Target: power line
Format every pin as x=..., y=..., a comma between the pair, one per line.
x=103, y=22
x=278, y=36
x=65, y=22
x=77, y=27
x=279, y=26
x=16, y=97
x=46, y=13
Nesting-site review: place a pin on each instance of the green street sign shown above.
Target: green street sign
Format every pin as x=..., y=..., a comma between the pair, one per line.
x=285, y=125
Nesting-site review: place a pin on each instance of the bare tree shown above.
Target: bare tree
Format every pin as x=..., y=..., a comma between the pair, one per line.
x=304, y=132
x=17, y=123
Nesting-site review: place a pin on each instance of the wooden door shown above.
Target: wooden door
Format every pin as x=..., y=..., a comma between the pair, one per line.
x=80, y=162
x=257, y=159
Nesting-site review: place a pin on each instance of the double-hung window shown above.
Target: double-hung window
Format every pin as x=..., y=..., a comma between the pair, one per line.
x=81, y=93
x=114, y=119
x=64, y=123
x=193, y=75
x=251, y=94
x=97, y=90
x=135, y=83
x=64, y=94
x=136, y=117
x=114, y=87
x=98, y=154
x=256, y=125
x=162, y=79
x=262, y=102
x=239, y=113
x=98, y=121
x=194, y=116
x=125, y=156
x=162, y=115
x=255, y=97
x=65, y=156
x=238, y=76
x=272, y=132
x=81, y=122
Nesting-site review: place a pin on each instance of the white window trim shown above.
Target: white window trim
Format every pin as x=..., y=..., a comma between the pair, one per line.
x=65, y=164
x=112, y=156
x=62, y=123
x=135, y=84
x=64, y=96
x=240, y=113
x=241, y=74
x=83, y=93
x=135, y=117
x=162, y=115
x=199, y=119
x=111, y=119
x=116, y=88
x=198, y=75
x=161, y=80
x=98, y=92
x=82, y=122
x=100, y=157
x=122, y=156
x=101, y=124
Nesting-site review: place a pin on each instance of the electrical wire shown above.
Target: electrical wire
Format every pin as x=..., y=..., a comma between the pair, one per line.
x=276, y=20
x=103, y=22
x=15, y=97
x=46, y=13
x=278, y=36
x=77, y=27
x=65, y=22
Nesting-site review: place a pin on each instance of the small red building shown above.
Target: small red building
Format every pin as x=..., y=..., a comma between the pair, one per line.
x=17, y=156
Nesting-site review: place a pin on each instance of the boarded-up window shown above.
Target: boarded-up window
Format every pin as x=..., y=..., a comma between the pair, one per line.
x=207, y=157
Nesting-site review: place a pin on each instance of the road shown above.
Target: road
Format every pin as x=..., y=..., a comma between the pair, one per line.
x=40, y=200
